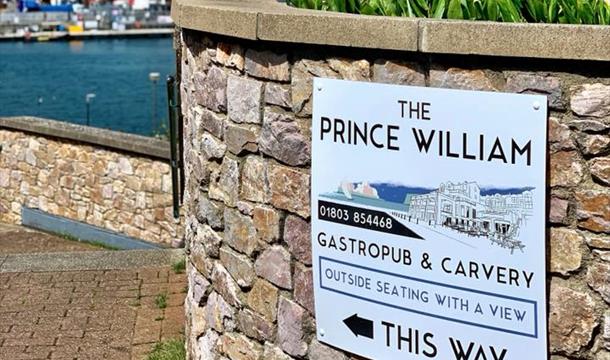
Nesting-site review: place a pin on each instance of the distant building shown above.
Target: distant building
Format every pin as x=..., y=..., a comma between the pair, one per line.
x=462, y=207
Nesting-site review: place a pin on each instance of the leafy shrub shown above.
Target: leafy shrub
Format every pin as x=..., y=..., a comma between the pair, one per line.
x=168, y=350
x=161, y=301
x=543, y=11
x=179, y=266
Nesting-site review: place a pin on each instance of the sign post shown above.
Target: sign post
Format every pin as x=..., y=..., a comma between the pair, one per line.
x=428, y=221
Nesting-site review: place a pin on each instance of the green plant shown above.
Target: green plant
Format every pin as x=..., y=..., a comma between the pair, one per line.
x=179, y=266
x=544, y=11
x=168, y=350
x=161, y=301
x=96, y=243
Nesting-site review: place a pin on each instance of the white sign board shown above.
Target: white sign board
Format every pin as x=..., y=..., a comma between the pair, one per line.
x=428, y=221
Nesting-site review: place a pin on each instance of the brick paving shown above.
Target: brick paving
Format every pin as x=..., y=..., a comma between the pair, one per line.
x=99, y=314
x=93, y=305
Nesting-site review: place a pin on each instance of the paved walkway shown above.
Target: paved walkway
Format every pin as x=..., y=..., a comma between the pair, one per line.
x=19, y=240
x=88, y=305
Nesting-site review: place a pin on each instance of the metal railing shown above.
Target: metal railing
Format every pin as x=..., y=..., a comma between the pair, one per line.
x=176, y=143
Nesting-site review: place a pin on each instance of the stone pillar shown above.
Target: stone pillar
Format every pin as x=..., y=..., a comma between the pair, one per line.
x=247, y=108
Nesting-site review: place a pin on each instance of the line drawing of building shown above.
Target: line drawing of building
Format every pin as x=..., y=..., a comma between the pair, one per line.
x=461, y=207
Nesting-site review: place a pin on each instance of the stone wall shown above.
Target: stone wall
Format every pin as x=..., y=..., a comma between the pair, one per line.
x=247, y=108
x=119, y=190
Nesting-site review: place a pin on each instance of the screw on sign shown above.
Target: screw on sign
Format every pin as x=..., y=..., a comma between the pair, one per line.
x=428, y=221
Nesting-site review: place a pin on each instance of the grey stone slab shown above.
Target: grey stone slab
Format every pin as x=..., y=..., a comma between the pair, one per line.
x=552, y=41
x=90, y=260
x=330, y=28
x=130, y=143
x=232, y=18
x=40, y=220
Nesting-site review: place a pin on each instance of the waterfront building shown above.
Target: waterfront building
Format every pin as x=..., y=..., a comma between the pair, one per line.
x=462, y=207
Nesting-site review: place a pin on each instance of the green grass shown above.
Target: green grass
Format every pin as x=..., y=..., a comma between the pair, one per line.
x=161, y=301
x=95, y=243
x=168, y=350
x=179, y=266
x=536, y=11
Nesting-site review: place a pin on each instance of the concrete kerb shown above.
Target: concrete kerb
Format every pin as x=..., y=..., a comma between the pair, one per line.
x=271, y=20
x=89, y=260
x=130, y=143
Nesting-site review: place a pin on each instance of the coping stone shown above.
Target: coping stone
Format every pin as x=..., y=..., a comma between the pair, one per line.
x=223, y=17
x=272, y=20
x=130, y=143
x=554, y=41
x=331, y=28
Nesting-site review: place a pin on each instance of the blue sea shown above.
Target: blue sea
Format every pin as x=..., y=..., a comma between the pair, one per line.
x=52, y=79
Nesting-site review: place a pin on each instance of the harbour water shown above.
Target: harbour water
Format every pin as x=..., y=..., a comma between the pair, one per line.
x=52, y=80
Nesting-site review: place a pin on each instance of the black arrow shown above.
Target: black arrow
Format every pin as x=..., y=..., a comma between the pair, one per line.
x=360, y=326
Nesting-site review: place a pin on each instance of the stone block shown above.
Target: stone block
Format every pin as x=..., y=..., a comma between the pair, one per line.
x=593, y=210
x=356, y=70
x=254, y=180
x=398, y=72
x=230, y=55
x=319, y=351
x=272, y=352
x=274, y=265
x=210, y=212
x=244, y=98
x=606, y=331
x=267, y=65
x=593, y=145
x=537, y=84
x=224, y=284
x=303, y=287
x=591, y=100
x=212, y=148
x=598, y=278
x=559, y=136
x=566, y=168
x=263, y=299
x=239, y=347
x=297, y=234
x=255, y=326
x=571, y=319
x=589, y=125
x=277, y=94
x=558, y=212
x=241, y=138
x=456, y=78
x=211, y=89
x=239, y=266
x=218, y=313
x=209, y=239
x=240, y=232
x=598, y=242
x=282, y=139
x=206, y=346
x=267, y=223
x=566, y=253
x=291, y=322
x=225, y=187
x=302, y=83
x=210, y=121
x=290, y=189
x=600, y=170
